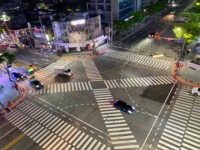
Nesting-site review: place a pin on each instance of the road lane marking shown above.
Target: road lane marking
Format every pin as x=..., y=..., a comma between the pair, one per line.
x=13, y=142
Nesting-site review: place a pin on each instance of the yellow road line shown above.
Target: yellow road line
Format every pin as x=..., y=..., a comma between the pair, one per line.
x=14, y=141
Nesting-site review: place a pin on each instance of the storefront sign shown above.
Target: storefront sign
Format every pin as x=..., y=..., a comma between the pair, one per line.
x=77, y=22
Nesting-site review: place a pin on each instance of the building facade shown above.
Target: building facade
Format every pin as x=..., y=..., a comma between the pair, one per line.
x=145, y=3
x=120, y=9
x=78, y=33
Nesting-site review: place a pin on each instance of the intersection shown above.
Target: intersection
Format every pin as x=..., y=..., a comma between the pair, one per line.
x=78, y=113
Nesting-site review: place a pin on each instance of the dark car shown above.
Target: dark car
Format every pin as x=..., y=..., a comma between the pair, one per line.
x=17, y=76
x=123, y=106
x=152, y=35
x=36, y=84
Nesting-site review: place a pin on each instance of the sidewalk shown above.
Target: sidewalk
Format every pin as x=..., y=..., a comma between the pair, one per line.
x=185, y=74
x=9, y=96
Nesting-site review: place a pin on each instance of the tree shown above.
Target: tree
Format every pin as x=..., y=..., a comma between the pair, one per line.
x=121, y=25
x=189, y=30
x=8, y=58
x=157, y=7
x=137, y=16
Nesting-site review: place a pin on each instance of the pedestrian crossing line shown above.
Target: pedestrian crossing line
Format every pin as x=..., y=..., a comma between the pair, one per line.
x=49, y=131
x=64, y=87
x=140, y=59
x=92, y=71
x=114, y=121
x=137, y=82
x=110, y=84
x=182, y=130
x=48, y=70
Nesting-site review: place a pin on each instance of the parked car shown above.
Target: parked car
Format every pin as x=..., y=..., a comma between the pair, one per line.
x=196, y=91
x=123, y=106
x=36, y=84
x=17, y=76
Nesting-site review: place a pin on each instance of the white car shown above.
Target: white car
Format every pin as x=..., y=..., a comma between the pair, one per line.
x=196, y=91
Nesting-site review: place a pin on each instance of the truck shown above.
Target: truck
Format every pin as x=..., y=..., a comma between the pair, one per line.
x=63, y=70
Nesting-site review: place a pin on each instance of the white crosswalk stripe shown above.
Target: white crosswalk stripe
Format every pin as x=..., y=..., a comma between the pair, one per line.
x=182, y=130
x=49, y=131
x=48, y=70
x=64, y=87
x=141, y=81
x=92, y=71
x=110, y=84
x=140, y=59
x=113, y=120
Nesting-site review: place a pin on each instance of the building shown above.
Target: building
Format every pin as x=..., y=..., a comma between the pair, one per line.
x=145, y=3
x=78, y=32
x=120, y=8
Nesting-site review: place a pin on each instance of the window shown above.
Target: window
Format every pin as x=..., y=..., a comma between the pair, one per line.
x=107, y=1
x=108, y=7
x=125, y=13
x=100, y=7
x=123, y=4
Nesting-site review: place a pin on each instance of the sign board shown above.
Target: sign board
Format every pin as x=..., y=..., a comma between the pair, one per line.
x=77, y=22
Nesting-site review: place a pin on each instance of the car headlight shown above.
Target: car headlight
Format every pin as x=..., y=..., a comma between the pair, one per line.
x=130, y=112
x=17, y=78
x=37, y=86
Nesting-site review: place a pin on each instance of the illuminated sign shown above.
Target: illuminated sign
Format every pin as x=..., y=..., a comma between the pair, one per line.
x=77, y=22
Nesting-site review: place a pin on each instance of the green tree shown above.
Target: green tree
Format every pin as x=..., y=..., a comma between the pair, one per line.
x=8, y=58
x=190, y=30
x=137, y=16
x=152, y=9
x=121, y=25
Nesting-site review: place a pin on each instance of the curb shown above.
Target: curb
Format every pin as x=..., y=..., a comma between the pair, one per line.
x=181, y=79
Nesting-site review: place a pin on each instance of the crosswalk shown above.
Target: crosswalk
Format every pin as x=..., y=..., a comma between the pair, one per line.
x=63, y=87
x=48, y=70
x=182, y=130
x=92, y=71
x=140, y=59
x=51, y=132
x=137, y=82
x=110, y=84
x=118, y=130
